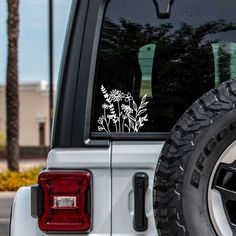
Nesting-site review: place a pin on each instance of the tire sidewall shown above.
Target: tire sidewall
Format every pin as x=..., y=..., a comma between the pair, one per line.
x=198, y=167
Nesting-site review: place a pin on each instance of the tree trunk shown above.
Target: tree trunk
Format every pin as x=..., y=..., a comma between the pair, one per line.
x=12, y=96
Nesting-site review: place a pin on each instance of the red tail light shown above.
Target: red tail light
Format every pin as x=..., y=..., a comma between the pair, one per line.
x=65, y=201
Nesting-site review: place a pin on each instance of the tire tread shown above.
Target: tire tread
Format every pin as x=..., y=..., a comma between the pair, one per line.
x=174, y=156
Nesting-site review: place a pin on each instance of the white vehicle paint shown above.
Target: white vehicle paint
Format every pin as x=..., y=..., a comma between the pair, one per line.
x=113, y=198
x=22, y=223
x=129, y=158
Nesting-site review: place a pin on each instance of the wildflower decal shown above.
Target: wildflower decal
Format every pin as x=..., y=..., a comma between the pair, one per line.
x=121, y=113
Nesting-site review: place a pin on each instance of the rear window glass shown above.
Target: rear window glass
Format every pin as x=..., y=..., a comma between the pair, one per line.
x=150, y=70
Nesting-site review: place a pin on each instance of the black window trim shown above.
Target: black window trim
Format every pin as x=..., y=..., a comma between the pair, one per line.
x=72, y=120
x=158, y=136
x=72, y=124
x=64, y=113
x=81, y=133
x=81, y=136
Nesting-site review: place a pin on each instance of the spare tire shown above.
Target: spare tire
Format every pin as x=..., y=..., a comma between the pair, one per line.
x=195, y=179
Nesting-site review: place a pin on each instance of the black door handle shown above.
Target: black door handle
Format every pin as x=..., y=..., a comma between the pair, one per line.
x=140, y=185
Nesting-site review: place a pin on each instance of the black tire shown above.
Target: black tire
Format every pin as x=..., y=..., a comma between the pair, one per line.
x=187, y=160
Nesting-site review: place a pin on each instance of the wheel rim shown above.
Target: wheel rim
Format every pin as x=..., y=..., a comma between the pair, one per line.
x=222, y=193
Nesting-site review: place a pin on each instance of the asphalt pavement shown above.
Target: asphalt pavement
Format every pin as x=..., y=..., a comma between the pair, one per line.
x=6, y=199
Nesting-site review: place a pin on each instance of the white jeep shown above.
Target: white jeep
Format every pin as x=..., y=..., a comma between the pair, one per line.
x=129, y=154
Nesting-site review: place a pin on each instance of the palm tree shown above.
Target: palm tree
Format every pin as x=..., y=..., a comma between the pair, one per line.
x=12, y=96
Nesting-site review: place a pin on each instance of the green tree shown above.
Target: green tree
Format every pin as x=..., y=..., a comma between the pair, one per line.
x=12, y=96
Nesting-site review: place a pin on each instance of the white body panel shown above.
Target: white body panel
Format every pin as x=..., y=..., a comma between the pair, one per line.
x=99, y=163
x=21, y=221
x=129, y=158
x=113, y=197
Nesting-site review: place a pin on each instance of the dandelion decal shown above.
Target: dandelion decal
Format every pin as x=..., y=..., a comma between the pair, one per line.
x=116, y=95
x=121, y=113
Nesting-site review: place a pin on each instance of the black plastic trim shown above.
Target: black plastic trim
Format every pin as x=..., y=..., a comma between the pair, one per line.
x=72, y=122
x=36, y=201
x=140, y=185
x=131, y=136
x=63, y=119
x=88, y=203
x=81, y=135
x=163, y=8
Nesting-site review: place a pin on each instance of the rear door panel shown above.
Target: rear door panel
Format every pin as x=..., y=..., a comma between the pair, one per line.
x=129, y=158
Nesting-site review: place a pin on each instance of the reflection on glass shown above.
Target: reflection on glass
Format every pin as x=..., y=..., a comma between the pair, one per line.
x=190, y=53
x=216, y=47
x=146, y=58
x=233, y=61
x=224, y=52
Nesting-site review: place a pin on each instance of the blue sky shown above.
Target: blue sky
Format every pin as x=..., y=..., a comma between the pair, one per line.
x=33, y=39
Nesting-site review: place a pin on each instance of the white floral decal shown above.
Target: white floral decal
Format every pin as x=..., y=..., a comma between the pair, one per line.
x=121, y=113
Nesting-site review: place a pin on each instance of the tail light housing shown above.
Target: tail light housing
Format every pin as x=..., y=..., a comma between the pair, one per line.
x=66, y=201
